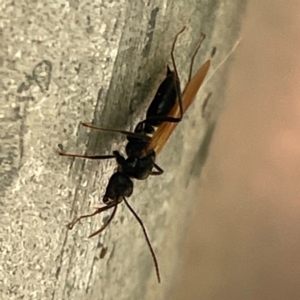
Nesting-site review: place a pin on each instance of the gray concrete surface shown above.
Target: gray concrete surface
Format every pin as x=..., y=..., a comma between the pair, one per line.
x=66, y=62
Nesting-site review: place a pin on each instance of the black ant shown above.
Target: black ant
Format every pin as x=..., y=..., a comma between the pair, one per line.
x=141, y=155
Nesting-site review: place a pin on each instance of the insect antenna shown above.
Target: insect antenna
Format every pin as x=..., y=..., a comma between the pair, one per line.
x=177, y=82
x=107, y=223
x=146, y=237
x=97, y=211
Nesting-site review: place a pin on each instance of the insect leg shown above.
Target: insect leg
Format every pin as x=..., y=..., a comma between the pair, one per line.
x=87, y=156
x=163, y=119
x=177, y=87
x=194, y=55
x=128, y=133
x=176, y=79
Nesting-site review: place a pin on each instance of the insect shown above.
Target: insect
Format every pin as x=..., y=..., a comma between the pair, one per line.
x=164, y=113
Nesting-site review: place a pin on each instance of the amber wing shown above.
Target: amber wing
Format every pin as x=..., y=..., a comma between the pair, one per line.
x=164, y=131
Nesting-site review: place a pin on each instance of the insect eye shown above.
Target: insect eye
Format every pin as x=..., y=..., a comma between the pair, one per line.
x=105, y=200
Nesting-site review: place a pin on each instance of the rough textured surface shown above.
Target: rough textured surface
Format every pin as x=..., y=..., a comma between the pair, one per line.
x=66, y=62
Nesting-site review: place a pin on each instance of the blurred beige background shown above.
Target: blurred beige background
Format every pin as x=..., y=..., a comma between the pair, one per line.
x=243, y=241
